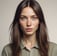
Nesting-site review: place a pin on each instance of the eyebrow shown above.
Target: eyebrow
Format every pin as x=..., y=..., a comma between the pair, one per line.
x=26, y=16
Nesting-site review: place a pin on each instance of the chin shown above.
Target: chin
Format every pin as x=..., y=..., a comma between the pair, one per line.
x=29, y=33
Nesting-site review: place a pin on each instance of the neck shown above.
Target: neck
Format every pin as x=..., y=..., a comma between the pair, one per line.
x=30, y=39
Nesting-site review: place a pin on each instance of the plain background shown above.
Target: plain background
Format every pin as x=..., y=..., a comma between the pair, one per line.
x=7, y=11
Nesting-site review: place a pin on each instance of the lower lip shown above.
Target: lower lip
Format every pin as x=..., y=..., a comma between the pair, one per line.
x=29, y=30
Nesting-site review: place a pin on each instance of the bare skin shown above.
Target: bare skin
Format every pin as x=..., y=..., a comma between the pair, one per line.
x=29, y=24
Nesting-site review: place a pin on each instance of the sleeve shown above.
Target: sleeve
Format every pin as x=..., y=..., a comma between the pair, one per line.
x=3, y=52
x=7, y=51
x=54, y=52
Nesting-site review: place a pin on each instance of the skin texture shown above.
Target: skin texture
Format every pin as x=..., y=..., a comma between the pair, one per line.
x=29, y=21
x=29, y=24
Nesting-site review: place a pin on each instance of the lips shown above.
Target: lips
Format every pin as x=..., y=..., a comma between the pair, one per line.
x=28, y=29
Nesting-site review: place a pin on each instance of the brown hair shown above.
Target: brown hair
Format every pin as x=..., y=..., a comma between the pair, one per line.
x=41, y=33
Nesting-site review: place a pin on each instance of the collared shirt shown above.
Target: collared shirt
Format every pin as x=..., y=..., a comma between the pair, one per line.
x=33, y=52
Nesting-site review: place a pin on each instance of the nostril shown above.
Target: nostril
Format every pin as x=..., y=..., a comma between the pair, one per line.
x=28, y=23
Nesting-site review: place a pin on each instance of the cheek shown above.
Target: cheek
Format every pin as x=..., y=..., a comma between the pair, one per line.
x=22, y=24
x=36, y=23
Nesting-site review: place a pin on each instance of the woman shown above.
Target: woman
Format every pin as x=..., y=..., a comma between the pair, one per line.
x=29, y=32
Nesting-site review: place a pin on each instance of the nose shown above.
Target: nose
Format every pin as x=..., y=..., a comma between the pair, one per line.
x=28, y=22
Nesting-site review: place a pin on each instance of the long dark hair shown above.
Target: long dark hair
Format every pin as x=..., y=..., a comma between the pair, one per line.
x=41, y=33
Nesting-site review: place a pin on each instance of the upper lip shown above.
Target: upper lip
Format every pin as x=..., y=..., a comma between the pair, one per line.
x=28, y=28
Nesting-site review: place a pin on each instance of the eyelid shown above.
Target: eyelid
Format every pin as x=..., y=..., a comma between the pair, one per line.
x=34, y=17
x=23, y=17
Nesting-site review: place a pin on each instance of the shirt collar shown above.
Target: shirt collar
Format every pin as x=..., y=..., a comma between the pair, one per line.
x=22, y=45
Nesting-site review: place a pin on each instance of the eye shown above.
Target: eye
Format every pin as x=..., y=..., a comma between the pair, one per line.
x=23, y=18
x=34, y=17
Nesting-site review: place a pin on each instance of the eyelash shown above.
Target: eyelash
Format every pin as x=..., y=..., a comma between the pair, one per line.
x=23, y=18
x=26, y=18
x=34, y=17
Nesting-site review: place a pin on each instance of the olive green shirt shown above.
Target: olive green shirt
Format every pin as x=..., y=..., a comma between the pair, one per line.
x=33, y=52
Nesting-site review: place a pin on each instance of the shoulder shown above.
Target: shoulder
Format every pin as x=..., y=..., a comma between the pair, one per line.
x=52, y=49
x=52, y=44
x=7, y=50
x=7, y=47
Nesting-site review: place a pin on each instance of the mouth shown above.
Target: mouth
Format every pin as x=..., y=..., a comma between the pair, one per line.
x=28, y=29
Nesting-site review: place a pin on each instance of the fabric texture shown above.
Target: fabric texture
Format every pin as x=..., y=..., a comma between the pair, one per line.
x=33, y=52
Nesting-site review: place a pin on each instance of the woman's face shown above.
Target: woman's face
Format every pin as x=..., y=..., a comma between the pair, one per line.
x=28, y=21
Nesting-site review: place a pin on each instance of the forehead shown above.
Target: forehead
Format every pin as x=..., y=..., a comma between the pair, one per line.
x=28, y=11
